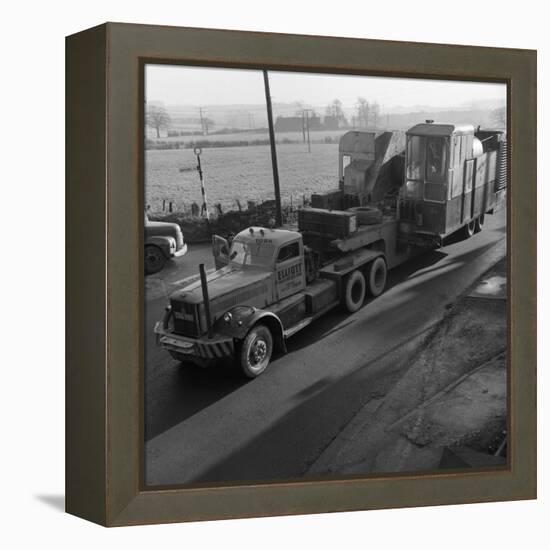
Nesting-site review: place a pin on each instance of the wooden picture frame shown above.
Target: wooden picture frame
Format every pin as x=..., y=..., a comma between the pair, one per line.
x=104, y=368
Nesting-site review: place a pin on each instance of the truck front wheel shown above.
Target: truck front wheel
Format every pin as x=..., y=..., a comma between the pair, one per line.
x=378, y=273
x=256, y=351
x=354, y=291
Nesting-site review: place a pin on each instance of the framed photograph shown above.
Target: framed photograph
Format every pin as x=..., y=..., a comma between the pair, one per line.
x=301, y=274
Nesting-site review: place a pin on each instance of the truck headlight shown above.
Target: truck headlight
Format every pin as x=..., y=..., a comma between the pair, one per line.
x=227, y=317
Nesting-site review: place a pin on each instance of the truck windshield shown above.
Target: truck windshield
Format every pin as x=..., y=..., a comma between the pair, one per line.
x=257, y=253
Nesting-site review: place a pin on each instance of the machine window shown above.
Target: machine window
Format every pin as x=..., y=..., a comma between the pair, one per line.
x=415, y=157
x=436, y=159
x=288, y=252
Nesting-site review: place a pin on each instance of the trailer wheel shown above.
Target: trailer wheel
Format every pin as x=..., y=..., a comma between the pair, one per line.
x=377, y=276
x=469, y=229
x=256, y=351
x=354, y=291
x=154, y=259
x=480, y=222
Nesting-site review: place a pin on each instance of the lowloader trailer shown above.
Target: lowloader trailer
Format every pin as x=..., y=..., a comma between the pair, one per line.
x=271, y=283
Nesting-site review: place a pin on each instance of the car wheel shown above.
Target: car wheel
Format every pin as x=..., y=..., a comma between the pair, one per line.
x=256, y=351
x=154, y=259
x=378, y=273
x=354, y=291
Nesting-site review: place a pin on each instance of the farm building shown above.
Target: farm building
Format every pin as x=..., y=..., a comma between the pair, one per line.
x=296, y=123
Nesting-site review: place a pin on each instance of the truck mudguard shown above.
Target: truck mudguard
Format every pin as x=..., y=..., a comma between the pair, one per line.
x=237, y=321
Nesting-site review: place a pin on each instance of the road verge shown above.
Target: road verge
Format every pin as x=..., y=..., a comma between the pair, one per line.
x=453, y=394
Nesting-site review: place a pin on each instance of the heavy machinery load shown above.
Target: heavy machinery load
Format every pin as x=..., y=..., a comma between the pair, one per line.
x=369, y=166
x=453, y=178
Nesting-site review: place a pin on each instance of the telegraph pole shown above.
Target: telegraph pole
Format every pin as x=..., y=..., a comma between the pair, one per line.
x=202, y=122
x=306, y=113
x=278, y=212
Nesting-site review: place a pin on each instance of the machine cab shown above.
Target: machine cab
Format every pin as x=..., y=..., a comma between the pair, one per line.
x=427, y=162
x=433, y=159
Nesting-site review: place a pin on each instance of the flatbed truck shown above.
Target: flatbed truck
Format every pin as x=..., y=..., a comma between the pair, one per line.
x=272, y=283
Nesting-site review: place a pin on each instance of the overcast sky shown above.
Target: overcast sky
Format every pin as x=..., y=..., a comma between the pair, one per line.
x=180, y=85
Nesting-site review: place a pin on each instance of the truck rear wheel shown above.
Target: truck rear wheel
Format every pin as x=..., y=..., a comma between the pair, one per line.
x=354, y=291
x=378, y=273
x=468, y=229
x=480, y=222
x=256, y=351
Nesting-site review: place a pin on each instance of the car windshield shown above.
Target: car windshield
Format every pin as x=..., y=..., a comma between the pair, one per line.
x=258, y=253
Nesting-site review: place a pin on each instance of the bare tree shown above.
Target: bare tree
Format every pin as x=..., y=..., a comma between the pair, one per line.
x=334, y=109
x=375, y=111
x=157, y=117
x=362, y=109
x=299, y=106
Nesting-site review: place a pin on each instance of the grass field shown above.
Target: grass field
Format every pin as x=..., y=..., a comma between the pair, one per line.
x=243, y=173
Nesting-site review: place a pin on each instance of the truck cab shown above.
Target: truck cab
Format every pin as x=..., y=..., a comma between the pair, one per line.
x=267, y=287
x=277, y=251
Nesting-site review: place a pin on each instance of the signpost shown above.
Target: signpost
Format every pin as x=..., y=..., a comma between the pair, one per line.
x=204, y=207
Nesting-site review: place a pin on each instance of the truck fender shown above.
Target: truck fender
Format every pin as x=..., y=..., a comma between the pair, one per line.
x=243, y=318
x=166, y=244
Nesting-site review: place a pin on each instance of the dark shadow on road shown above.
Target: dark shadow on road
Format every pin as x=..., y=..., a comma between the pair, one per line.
x=456, y=260
x=57, y=502
x=184, y=391
x=330, y=323
x=420, y=263
x=328, y=404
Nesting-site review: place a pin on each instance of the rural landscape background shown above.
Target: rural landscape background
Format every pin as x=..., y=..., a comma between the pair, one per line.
x=236, y=157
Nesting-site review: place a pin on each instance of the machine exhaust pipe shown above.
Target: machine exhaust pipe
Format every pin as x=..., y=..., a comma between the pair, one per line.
x=204, y=286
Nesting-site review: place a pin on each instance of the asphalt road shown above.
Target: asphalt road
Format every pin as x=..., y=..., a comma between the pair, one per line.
x=213, y=425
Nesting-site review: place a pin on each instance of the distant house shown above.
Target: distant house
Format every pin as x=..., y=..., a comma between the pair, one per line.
x=331, y=122
x=314, y=122
x=296, y=123
x=289, y=124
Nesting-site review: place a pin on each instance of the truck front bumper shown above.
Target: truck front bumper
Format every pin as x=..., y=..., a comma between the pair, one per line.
x=215, y=348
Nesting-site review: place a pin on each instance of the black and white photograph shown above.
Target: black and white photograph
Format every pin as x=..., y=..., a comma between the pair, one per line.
x=280, y=275
x=325, y=261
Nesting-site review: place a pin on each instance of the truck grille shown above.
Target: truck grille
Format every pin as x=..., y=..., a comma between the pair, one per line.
x=185, y=319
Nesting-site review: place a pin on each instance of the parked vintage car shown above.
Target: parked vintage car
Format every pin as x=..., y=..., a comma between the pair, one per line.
x=162, y=241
